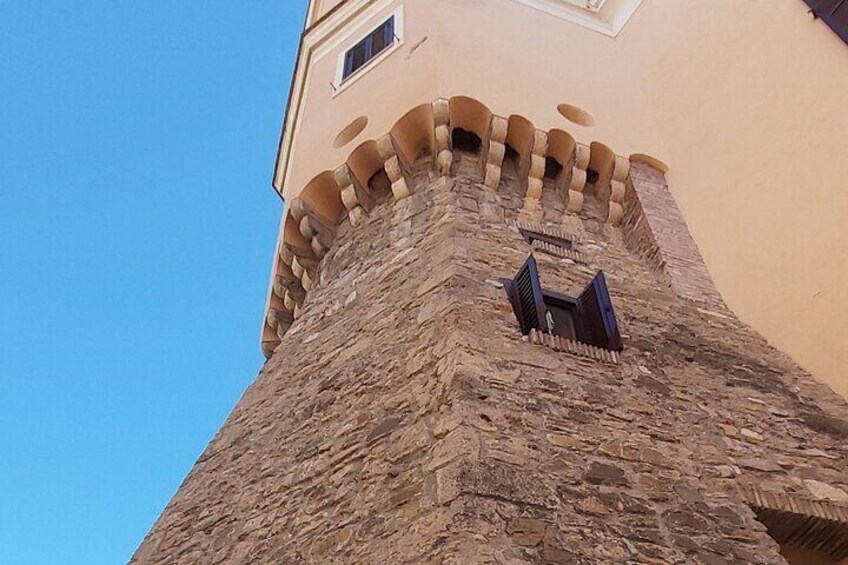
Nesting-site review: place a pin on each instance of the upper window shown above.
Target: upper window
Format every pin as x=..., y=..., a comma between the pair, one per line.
x=589, y=318
x=530, y=236
x=363, y=52
x=834, y=13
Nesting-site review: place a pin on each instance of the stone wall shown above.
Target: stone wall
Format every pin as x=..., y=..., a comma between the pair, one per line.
x=405, y=419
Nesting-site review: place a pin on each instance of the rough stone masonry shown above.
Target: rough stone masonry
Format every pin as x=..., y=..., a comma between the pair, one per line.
x=406, y=420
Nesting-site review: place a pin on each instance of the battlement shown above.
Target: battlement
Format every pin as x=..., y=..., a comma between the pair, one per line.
x=630, y=194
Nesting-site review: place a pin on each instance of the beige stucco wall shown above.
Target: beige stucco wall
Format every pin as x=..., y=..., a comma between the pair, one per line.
x=383, y=94
x=321, y=7
x=745, y=101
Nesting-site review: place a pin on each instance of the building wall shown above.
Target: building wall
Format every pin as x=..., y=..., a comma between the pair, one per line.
x=320, y=8
x=405, y=419
x=742, y=100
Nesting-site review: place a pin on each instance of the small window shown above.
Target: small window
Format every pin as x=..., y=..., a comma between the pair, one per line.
x=363, y=52
x=834, y=13
x=530, y=236
x=588, y=319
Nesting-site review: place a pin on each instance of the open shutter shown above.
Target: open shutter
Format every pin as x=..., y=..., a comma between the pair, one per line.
x=525, y=293
x=834, y=13
x=596, y=323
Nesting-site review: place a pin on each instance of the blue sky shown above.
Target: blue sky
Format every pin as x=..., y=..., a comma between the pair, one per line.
x=137, y=228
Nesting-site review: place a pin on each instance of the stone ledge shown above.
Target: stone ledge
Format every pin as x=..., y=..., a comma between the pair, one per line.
x=801, y=522
x=796, y=504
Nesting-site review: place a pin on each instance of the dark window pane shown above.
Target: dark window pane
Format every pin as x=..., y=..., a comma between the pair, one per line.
x=382, y=38
x=562, y=310
x=361, y=53
x=358, y=56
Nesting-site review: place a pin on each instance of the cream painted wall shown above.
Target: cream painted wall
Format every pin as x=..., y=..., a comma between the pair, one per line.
x=383, y=93
x=745, y=101
x=321, y=7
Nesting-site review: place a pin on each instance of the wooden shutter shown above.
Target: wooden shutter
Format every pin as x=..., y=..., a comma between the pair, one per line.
x=525, y=293
x=595, y=321
x=834, y=13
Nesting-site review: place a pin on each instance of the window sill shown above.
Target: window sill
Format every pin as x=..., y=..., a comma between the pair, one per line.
x=346, y=83
x=609, y=20
x=564, y=345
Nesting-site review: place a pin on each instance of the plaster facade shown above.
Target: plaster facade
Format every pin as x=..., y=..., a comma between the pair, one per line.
x=743, y=101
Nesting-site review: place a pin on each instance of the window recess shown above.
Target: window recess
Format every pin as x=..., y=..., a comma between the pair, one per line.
x=549, y=240
x=834, y=13
x=369, y=48
x=531, y=236
x=588, y=319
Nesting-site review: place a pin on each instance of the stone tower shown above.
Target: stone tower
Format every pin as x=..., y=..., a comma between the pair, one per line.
x=490, y=335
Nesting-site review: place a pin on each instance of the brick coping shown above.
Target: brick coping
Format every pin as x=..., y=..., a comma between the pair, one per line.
x=558, y=343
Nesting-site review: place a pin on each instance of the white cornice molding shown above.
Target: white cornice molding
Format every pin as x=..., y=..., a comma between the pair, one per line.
x=609, y=19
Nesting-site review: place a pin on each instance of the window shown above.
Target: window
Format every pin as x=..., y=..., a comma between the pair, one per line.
x=550, y=241
x=834, y=13
x=530, y=236
x=363, y=52
x=588, y=319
